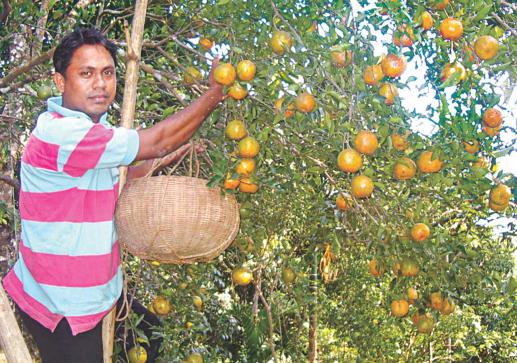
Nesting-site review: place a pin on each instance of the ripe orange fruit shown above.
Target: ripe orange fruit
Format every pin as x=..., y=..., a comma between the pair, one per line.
x=436, y=301
x=405, y=37
x=343, y=201
x=225, y=74
x=441, y=4
x=373, y=74
x=472, y=146
x=248, y=147
x=486, y=47
x=399, y=142
x=420, y=232
x=236, y=130
x=247, y=186
x=374, y=268
x=448, y=307
x=246, y=166
x=409, y=267
x=500, y=195
x=451, y=29
x=206, y=43
x=366, y=142
x=404, y=169
x=197, y=302
x=349, y=161
x=452, y=68
x=492, y=131
x=191, y=75
x=194, y=358
x=492, y=117
x=242, y=276
x=393, y=65
x=161, y=305
x=341, y=59
x=426, y=163
x=305, y=102
x=362, y=186
x=289, y=112
x=426, y=20
x=237, y=92
x=481, y=163
x=246, y=70
x=399, y=308
x=280, y=41
x=412, y=294
x=230, y=183
x=389, y=91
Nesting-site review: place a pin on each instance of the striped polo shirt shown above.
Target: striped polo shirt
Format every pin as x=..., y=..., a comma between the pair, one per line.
x=69, y=257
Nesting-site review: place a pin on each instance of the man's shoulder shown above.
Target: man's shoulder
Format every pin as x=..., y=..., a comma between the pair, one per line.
x=54, y=128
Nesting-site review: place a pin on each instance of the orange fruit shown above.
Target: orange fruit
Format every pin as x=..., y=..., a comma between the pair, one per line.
x=472, y=146
x=498, y=207
x=191, y=75
x=399, y=142
x=374, y=268
x=389, y=91
x=230, y=183
x=343, y=201
x=486, y=47
x=206, y=43
x=481, y=163
x=280, y=41
x=501, y=194
x=289, y=112
x=440, y=5
x=393, y=65
x=452, y=68
x=225, y=74
x=366, y=142
x=349, y=161
x=237, y=92
x=492, y=117
x=451, y=29
x=197, y=302
x=247, y=186
x=161, y=305
x=246, y=166
x=373, y=74
x=448, y=307
x=492, y=131
x=137, y=354
x=194, y=358
x=248, y=147
x=420, y=232
x=412, y=294
x=399, y=308
x=426, y=20
x=305, y=102
x=288, y=275
x=405, y=36
x=236, y=130
x=409, y=267
x=404, y=169
x=362, y=186
x=246, y=70
x=425, y=324
x=426, y=163
x=341, y=59
x=242, y=276
x=436, y=301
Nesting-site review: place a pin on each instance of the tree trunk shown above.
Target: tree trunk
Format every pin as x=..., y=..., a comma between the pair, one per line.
x=313, y=314
x=11, y=339
x=127, y=116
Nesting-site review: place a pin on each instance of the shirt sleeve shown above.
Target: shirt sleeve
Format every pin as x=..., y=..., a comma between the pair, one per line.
x=84, y=145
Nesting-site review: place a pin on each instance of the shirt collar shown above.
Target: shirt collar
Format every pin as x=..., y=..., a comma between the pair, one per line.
x=55, y=104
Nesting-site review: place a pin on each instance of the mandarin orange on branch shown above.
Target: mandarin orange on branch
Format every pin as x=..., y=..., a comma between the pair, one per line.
x=246, y=70
x=349, y=160
x=492, y=117
x=393, y=65
x=366, y=142
x=305, y=102
x=373, y=74
x=486, y=47
x=427, y=163
x=281, y=41
x=236, y=130
x=362, y=187
x=225, y=74
x=404, y=169
x=451, y=29
x=248, y=147
x=389, y=91
x=341, y=59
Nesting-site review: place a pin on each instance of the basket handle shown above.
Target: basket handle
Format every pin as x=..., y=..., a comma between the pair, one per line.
x=157, y=163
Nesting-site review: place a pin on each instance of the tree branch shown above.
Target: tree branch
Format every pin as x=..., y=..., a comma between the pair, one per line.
x=12, y=182
x=504, y=24
x=7, y=10
x=15, y=72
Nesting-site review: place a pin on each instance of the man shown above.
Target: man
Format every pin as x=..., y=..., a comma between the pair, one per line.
x=68, y=275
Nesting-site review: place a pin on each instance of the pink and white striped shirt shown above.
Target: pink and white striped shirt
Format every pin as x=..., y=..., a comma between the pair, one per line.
x=69, y=257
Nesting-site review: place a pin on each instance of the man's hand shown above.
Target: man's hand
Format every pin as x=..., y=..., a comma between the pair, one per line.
x=212, y=83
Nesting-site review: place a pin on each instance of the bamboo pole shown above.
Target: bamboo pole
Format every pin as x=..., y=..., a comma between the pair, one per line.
x=11, y=339
x=127, y=116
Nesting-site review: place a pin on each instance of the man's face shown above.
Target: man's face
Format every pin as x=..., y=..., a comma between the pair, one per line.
x=90, y=82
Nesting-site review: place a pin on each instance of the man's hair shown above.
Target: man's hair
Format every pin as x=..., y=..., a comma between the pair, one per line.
x=76, y=39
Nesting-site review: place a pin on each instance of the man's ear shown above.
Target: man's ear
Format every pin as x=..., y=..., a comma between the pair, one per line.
x=59, y=80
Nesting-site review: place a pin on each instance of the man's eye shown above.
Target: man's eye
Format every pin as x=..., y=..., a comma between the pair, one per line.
x=86, y=74
x=109, y=73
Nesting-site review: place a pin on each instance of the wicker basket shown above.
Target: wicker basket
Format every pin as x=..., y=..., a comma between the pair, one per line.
x=175, y=219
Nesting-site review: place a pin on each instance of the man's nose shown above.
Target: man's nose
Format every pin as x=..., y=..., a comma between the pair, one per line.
x=99, y=81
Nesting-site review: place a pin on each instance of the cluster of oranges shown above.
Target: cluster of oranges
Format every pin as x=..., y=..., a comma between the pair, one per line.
x=392, y=66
